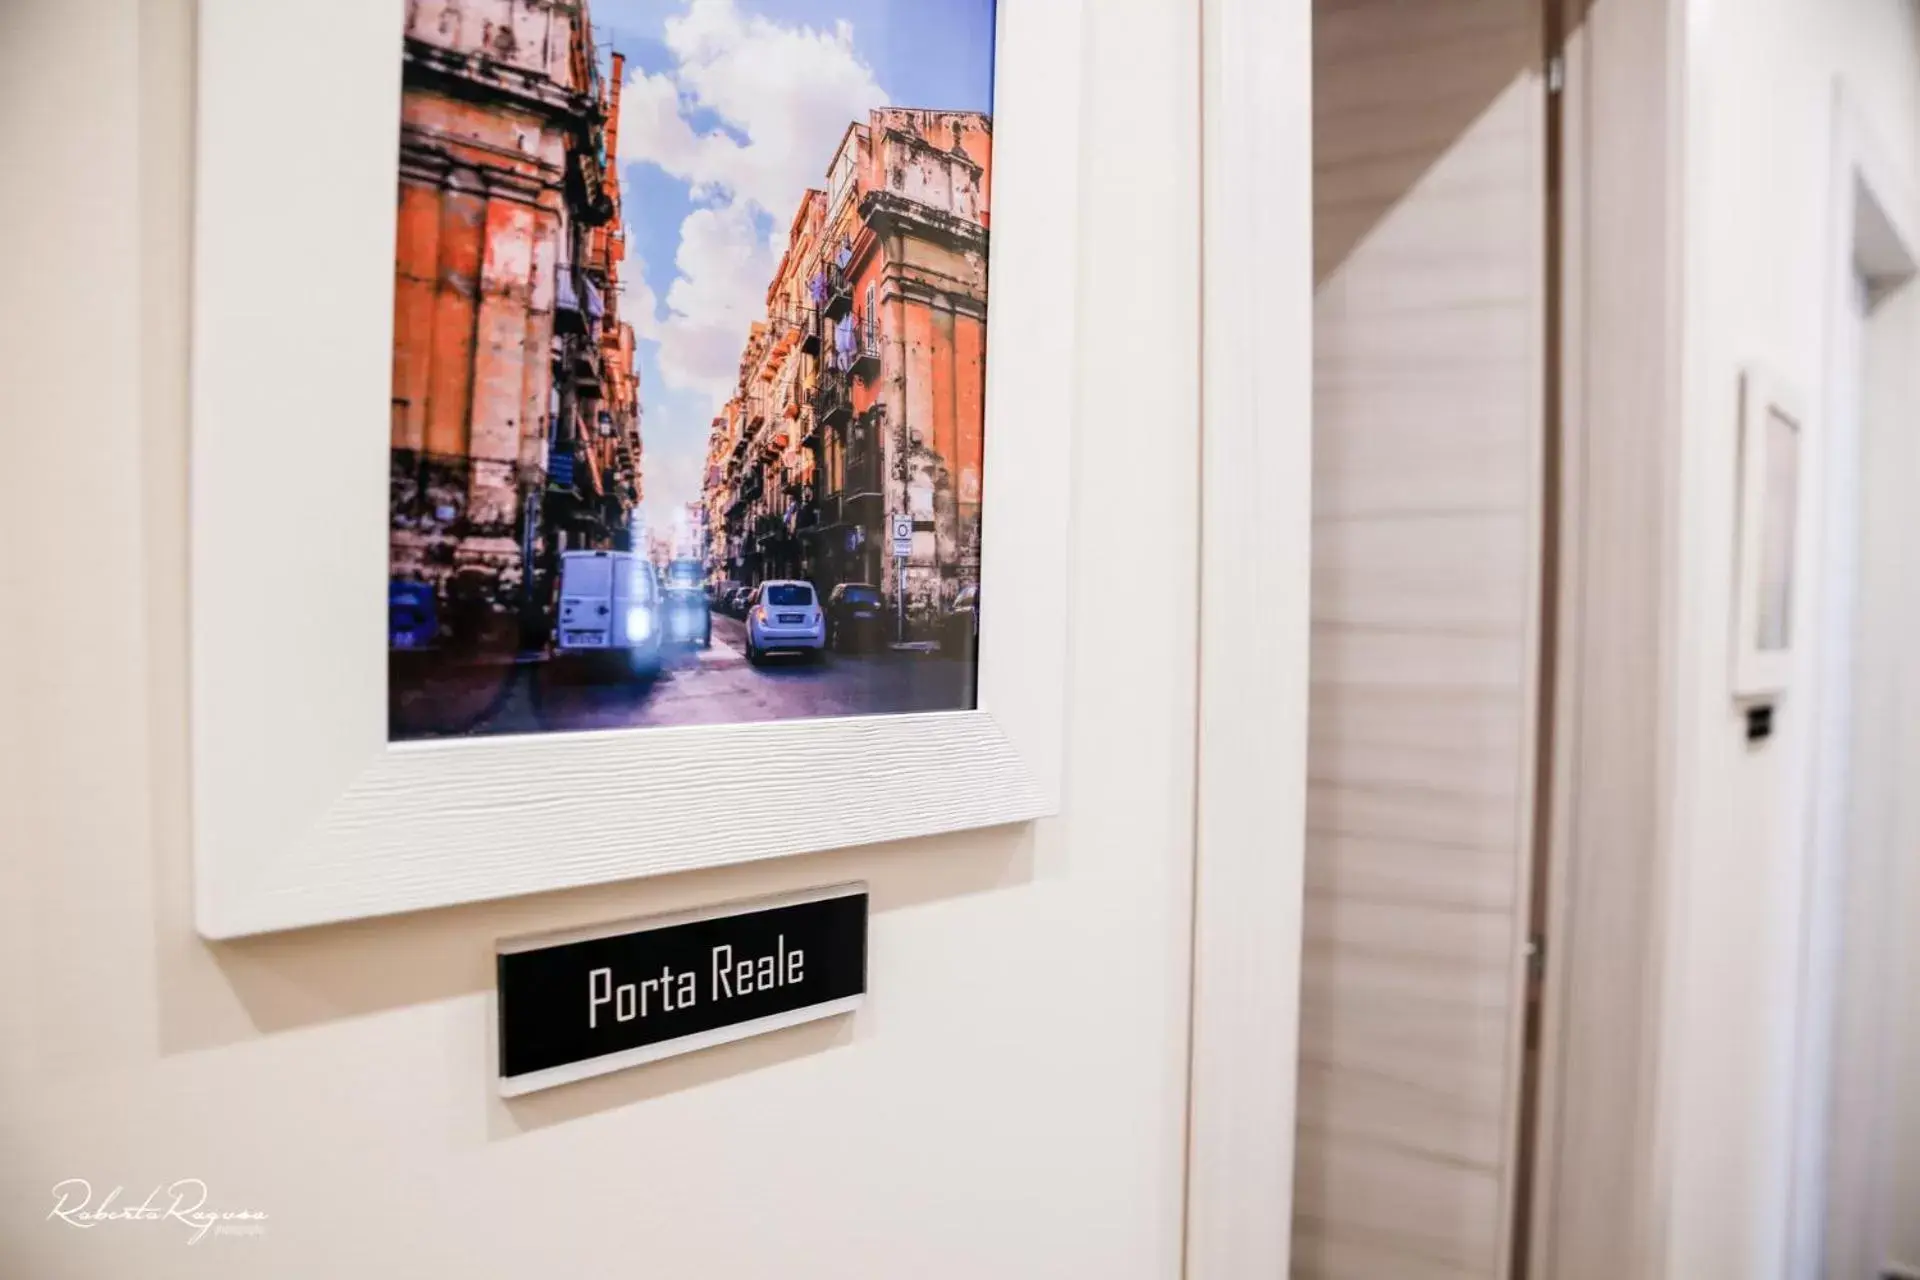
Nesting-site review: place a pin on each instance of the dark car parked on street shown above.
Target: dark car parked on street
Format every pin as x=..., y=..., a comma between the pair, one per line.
x=686, y=617
x=961, y=637
x=856, y=617
x=737, y=601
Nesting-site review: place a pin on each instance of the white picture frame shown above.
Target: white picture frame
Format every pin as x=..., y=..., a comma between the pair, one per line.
x=303, y=812
x=1768, y=531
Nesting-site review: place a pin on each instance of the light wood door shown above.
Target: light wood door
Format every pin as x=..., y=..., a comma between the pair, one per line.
x=1430, y=208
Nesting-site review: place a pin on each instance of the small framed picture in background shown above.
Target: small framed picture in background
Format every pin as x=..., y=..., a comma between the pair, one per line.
x=1766, y=585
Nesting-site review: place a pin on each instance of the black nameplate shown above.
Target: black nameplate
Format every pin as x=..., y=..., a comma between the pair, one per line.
x=577, y=1006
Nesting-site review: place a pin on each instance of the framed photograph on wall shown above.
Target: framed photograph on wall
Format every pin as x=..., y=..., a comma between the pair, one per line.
x=609, y=420
x=1767, y=565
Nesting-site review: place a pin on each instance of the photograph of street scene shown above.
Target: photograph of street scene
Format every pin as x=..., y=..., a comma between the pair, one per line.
x=689, y=361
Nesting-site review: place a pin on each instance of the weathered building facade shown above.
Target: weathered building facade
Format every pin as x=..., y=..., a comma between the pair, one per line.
x=515, y=410
x=862, y=393
x=604, y=428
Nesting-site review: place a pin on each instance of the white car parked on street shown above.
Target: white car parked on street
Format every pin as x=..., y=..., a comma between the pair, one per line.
x=785, y=615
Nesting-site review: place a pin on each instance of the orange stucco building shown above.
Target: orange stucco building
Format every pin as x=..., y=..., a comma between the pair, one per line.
x=515, y=410
x=862, y=393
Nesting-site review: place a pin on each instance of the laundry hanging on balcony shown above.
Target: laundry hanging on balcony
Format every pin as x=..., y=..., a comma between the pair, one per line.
x=843, y=343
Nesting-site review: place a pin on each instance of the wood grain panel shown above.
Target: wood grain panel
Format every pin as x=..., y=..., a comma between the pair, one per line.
x=1424, y=1208
x=1394, y=993
x=1376, y=870
x=1344, y=1102
x=1428, y=457
x=1380, y=659
x=1441, y=720
x=1413, y=351
x=1428, y=422
x=1450, y=572
x=1381, y=160
x=1460, y=769
x=1371, y=1018
x=1416, y=812
x=1325, y=1255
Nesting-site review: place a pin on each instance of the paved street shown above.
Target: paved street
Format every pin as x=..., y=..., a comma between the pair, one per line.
x=711, y=686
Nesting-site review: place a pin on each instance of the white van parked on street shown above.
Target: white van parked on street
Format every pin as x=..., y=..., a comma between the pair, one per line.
x=609, y=604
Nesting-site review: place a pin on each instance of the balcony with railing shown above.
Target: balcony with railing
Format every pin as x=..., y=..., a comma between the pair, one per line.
x=788, y=392
x=863, y=456
x=768, y=528
x=853, y=347
x=789, y=327
x=832, y=399
x=839, y=294
x=860, y=471
x=582, y=364
x=759, y=403
x=865, y=363
x=804, y=516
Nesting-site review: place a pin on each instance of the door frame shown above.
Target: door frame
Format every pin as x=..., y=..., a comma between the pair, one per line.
x=1250, y=779
x=1617, y=402
x=1596, y=1200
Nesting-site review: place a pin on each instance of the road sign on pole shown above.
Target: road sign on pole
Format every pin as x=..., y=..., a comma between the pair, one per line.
x=900, y=619
x=901, y=527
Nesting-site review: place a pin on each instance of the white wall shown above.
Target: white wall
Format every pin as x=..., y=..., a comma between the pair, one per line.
x=1011, y=1102
x=1760, y=87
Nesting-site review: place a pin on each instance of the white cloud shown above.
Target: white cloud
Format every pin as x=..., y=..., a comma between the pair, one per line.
x=670, y=478
x=653, y=130
x=724, y=266
x=639, y=305
x=791, y=91
x=786, y=94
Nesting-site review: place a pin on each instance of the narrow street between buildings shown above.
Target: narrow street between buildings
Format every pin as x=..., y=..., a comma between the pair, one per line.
x=715, y=685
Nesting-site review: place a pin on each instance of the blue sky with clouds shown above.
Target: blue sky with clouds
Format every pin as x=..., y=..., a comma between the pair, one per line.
x=731, y=109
